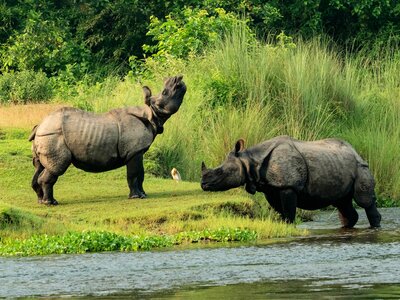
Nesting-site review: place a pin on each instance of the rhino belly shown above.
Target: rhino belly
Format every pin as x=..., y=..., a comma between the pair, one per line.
x=305, y=201
x=95, y=167
x=93, y=141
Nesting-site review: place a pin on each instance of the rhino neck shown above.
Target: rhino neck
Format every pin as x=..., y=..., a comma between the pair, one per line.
x=159, y=118
x=250, y=174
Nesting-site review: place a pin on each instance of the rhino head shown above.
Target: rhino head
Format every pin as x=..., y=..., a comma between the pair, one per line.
x=230, y=174
x=169, y=100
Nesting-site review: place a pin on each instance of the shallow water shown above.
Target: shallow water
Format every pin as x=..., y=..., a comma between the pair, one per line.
x=332, y=262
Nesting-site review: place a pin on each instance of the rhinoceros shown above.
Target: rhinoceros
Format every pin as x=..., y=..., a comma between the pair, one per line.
x=293, y=173
x=101, y=142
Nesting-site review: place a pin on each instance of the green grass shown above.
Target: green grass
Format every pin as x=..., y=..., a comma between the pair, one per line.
x=97, y=205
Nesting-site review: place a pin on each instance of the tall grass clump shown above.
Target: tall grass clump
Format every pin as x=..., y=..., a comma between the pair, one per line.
x=255, y=91
x=303, y=83
x=375, y=126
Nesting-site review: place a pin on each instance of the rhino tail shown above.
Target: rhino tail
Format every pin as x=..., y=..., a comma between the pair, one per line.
x=33, y=133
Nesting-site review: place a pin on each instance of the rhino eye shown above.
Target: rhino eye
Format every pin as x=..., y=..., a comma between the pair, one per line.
x=219, y=172
x=165, y=92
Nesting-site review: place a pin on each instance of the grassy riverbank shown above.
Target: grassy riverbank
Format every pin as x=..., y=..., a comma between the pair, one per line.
x=95, y=215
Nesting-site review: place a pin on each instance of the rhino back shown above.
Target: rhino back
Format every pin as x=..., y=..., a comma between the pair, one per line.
x=51, y=124
x=285, y=167
x=91, y=138
x=332, y=167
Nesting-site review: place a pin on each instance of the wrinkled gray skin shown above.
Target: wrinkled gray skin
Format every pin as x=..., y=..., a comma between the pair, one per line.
x=293, y=173
x=101, y=142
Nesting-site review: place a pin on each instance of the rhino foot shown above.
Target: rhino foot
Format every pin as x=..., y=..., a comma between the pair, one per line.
x=49, y=202
x=138, y=196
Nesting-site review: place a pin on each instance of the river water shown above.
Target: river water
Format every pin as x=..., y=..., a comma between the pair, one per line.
x=331, y=263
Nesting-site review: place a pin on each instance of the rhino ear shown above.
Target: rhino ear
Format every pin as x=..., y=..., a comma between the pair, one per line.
x=239, y=146
x=147, y=95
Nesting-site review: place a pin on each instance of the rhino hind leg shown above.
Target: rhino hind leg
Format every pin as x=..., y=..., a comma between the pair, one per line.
x=347, y=213
x=47, y=181
x=51, y=159
x=35, y=184
x=135, y=177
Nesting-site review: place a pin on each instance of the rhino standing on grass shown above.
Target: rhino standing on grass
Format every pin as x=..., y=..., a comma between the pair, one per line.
x=293, y=173
x=98, y=143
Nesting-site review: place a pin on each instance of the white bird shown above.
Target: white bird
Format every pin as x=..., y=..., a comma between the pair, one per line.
x=175, y=175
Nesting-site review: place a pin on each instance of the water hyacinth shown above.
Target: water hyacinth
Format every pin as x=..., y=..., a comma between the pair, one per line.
x=100, y=241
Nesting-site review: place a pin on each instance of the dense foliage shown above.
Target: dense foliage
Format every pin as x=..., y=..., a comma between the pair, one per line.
x=91, y=35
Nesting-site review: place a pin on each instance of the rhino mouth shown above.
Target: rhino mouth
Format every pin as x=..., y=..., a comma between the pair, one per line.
x=205, y=186
x=213, y=186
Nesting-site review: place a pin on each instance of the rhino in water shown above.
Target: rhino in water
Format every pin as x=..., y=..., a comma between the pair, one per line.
x=293, y=173
x=101, y=142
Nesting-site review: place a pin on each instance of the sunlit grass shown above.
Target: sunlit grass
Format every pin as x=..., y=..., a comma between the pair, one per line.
x=25, y=116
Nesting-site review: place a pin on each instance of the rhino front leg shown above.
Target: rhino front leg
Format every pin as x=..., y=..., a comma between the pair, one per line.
x=289, y=203
x=35, y=184
x=135, y=176
x=47, y=181
x=373, y=215
x=365, y=197
x=368, y=202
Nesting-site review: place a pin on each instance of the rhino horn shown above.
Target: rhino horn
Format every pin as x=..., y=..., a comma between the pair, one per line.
x=203, y=167
x=179, y=78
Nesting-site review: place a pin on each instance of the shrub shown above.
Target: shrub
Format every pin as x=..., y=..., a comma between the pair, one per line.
x=190, y=32
x=43, y=45
x=25, y=86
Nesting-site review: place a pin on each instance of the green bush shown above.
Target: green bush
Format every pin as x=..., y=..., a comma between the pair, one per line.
x=189, y=32
x=25, y=86
x=43, y=45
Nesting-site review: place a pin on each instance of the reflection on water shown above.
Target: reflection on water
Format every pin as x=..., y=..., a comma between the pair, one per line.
x=361, y=263
x=298, y=289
